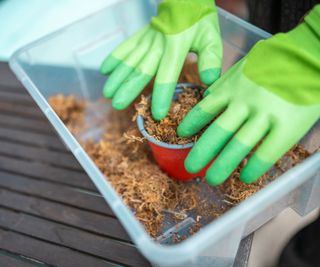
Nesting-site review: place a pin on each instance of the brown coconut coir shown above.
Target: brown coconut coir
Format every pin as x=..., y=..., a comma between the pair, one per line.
x=125, y=159
x=166, y=129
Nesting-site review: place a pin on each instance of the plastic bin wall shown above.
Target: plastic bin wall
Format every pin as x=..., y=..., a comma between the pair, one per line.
x=67, y=62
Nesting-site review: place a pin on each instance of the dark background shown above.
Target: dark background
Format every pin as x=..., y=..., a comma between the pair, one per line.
x=271, y=15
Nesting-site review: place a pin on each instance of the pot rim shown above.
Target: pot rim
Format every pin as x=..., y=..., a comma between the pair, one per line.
x=140, y=123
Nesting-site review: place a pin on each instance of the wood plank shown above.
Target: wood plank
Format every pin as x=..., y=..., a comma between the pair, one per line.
x=243, y=254
x=34, y=139
x=59, y=193
x=43, y=171
x=7, y=77
x=46, y=252
x=85, y=220
x=17, y=98
x=27, y=152
x=26, y=124
x=66, y=236
x=20, y=110
x=11, y=88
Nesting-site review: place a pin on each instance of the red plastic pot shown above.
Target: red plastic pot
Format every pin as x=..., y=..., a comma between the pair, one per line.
x=170, y=157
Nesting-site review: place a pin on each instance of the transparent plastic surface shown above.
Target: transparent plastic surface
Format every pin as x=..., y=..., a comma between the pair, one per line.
x=67, y=62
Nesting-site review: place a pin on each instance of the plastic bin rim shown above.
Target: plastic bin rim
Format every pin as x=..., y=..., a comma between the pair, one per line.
x=214, y=230
x=52, y=34
x=159, y=253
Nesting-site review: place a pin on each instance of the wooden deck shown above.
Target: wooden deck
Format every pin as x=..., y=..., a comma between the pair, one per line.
x=50, y=212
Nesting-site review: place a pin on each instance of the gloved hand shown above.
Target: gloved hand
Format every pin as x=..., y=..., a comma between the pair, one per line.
x=272, y=95
x=161, y=48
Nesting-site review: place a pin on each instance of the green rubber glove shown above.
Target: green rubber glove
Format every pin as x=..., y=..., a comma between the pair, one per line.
x=160, y=49
x=272, y=95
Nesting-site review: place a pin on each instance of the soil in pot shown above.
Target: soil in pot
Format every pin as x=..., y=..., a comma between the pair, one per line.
x=166, y=129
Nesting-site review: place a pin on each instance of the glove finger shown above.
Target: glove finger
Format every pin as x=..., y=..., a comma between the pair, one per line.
x=122, y=51
x=209, y=64
x=236, y=150
x=202, y=114
x=224, y=83
x=208, y=46
x=215, y=138
x=166, y=80
x=139, y=78
x=125, y=68
x=276, y=144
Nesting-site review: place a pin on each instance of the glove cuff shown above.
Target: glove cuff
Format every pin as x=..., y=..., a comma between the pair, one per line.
x=288, y=64
x=198, y=2
x=175, y=16
x=313, y=20
x=307, y=34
